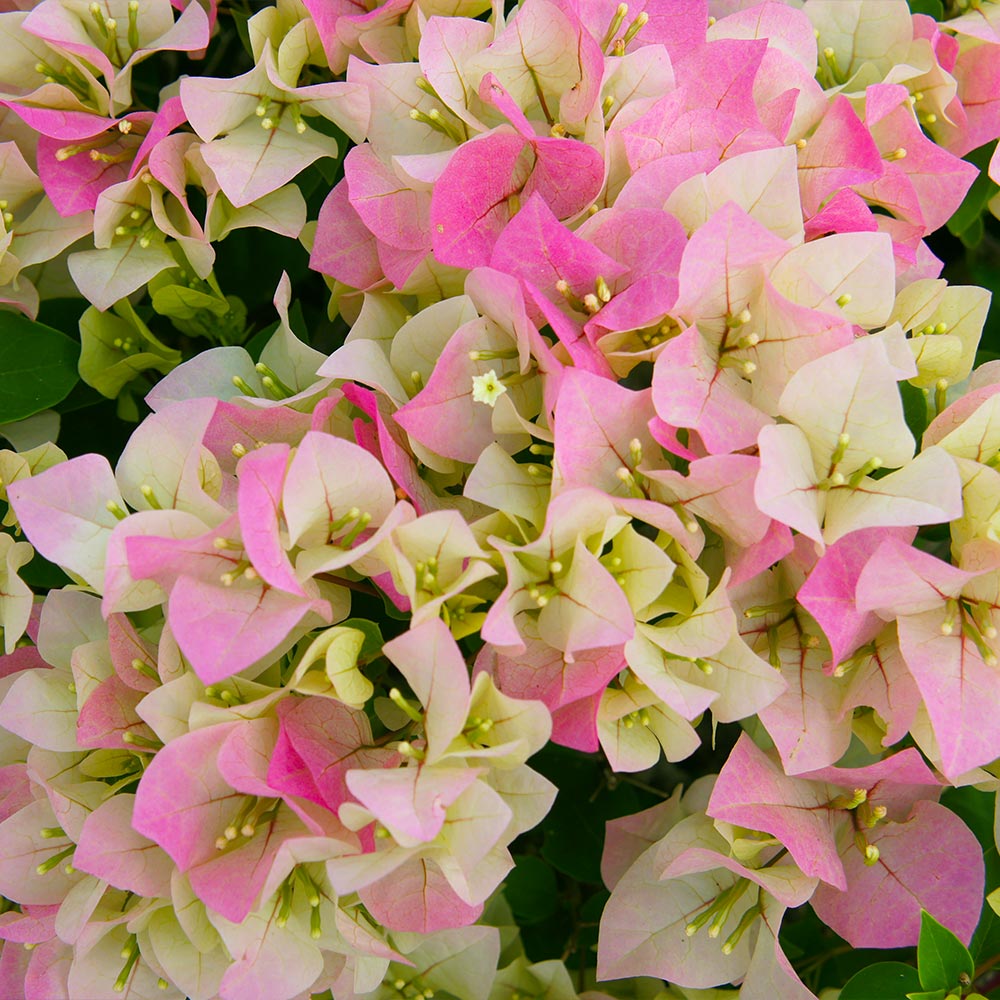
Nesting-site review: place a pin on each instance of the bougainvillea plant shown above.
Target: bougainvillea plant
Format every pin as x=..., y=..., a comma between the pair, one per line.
x=588, y=586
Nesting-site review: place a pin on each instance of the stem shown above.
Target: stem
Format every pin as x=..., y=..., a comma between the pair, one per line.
x=815, y=961
x=393, y=736
x=639, y=783
x=985, y=966
x=540, y=95
x=341, y=581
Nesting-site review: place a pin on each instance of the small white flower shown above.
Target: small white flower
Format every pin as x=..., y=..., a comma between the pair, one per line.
x=487, y=388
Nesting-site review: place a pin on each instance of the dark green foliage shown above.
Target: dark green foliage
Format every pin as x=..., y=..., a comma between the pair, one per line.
x=37, y=367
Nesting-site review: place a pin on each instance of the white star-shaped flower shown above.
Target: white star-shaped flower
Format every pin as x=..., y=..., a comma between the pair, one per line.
x=487, y=388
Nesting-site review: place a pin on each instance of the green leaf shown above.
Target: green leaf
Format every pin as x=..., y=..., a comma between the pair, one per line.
x=549, y=938
x=929, y=995
x=531, y=890
x=574, y=828
x=41, y=575
x=62, y=314
x=976, y=808
x=264, y=255
x=391, y=611
x=932, y=8
x=80, y=398
x=372, y=646
x=914, y=409
x=181, y=302
x=941, y=957
x=240, y=18
x=332, y=170
x=37, y=367
x=256, y=344
x=312, y=180
x=95, y=429
x=198, y=308
x=590, y=919
x=297, y=322
x=986, y=941
x=973, y=234
x=118, y=348
x=970, y=212
x=882, y=981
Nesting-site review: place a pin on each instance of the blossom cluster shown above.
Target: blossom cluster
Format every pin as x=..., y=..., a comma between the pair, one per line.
x=654, y=409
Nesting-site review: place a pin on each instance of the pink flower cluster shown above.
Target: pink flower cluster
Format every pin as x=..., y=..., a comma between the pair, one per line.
x=242, y=779
x=636, y=297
